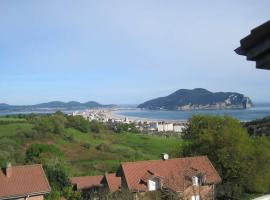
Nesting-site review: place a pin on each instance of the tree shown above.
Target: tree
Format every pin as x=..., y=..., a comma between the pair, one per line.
x=57, y=175
x=259, y=181
x=59, y=122
x=227, y=145
x=95, y=126
x=79, y=123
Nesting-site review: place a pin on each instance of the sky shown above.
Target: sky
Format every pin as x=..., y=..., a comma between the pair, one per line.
x=126, y=51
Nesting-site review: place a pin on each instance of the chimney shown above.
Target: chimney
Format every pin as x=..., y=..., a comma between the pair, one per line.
x=9, y=170
x=164, y=156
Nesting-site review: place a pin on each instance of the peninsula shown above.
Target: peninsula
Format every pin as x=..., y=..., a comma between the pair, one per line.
x=198, y=99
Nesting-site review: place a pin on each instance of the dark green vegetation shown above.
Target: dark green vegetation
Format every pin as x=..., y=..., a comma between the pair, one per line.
x=260, y=127
x=198, y=96
x=56, y=105
x=242, y=161
x=71, y=146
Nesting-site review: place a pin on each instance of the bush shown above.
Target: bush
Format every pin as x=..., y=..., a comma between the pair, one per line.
x=53, y=195
x=96, y=126
x=69, y=138
x=50, y=124
x=79, y=123
x=103, y=147
x=57, y=176
x=9, y=151
x=86, y=145
x=39, y=153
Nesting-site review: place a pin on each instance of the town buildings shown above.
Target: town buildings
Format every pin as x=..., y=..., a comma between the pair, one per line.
x=191, y=178
x=23, y=182
x=104, y=115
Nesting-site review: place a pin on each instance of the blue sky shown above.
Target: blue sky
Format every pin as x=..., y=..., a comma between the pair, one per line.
x=125, y=51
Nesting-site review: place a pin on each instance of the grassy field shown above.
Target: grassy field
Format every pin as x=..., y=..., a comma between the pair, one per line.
x=11, y=119
x=92, y=154
x=12, y=129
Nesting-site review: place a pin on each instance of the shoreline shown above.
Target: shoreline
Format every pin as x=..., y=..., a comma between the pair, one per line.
x=244, y=115
x=113, y=114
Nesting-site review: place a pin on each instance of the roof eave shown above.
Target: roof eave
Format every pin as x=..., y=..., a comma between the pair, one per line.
x=24, y=195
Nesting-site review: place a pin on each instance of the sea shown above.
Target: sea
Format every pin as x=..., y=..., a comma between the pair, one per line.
x=260, y=110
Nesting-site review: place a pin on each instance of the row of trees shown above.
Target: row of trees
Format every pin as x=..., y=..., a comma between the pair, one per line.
x=242, y=161
x=56, y=123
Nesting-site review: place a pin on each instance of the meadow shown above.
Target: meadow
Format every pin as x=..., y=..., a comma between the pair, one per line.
x=90, y=153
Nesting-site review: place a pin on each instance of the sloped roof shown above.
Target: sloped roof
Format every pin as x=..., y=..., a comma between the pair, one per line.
x=174, y=172
x=85, y=182
x=114, y=182
x=149, y=175
x=256, y=46
x=24, y=180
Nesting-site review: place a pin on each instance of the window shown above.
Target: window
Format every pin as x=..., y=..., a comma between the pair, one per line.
x=195, y=181
x=152, y=185
x=196, y=197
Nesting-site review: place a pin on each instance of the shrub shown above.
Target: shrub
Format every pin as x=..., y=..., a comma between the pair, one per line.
x=86, y=145
x=103, y=147
x=39, y=153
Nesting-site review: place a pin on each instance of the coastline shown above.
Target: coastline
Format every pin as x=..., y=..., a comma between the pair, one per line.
x=116, y=115
x=242, y=115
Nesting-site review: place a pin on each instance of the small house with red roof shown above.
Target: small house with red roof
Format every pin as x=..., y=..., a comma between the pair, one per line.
x=23, y=182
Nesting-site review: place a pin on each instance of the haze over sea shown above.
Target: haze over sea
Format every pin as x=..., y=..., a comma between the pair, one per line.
x=260, y=110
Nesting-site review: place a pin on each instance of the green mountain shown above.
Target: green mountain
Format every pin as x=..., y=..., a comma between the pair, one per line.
x=56, y=105
x=198, y=98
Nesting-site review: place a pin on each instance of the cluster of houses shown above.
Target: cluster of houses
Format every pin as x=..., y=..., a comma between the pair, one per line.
x=103, y=115
x=191, y=178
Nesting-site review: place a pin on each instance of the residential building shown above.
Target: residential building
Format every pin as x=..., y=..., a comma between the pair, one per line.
x=178, y=128
x=192, y=178
x=26, y=182
x=95, y=185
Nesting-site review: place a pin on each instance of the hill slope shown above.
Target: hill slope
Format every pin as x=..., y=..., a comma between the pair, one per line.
x=198, y=98
x=56, y=105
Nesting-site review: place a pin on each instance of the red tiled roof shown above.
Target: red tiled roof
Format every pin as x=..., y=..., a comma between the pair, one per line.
x=24, y=180
x=173, y=170
x=114, y=182
x=84, y=182
x=149, y=175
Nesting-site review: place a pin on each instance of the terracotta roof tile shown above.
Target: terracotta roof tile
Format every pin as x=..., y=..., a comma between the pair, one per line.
x=173, y=171
x=84, y=182
x=114, y=182
x=149, y=175
x=24, y=180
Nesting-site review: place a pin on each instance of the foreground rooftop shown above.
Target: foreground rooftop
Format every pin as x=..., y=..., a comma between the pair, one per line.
x=256, y=46
x=23, y=181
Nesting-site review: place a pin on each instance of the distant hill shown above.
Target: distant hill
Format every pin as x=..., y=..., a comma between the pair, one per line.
x=56, y=105
x=198, y=98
